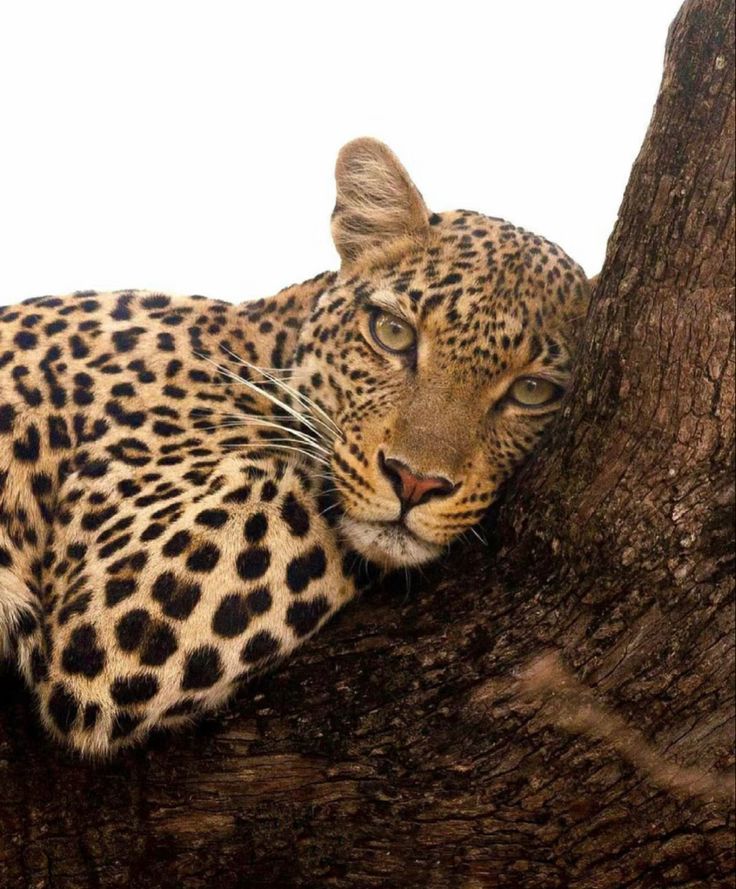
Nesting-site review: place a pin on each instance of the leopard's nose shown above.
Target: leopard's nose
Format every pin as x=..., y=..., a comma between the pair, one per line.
x=412, y=488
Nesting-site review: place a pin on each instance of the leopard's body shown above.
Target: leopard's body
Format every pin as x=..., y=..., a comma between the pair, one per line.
x=165, y=529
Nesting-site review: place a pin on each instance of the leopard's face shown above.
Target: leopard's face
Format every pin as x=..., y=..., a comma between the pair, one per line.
x=441, y=353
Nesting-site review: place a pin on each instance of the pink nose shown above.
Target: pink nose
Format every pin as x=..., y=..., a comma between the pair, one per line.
x=411, y=488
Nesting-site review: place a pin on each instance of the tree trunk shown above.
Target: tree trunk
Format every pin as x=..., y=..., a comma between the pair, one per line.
x=556, y=711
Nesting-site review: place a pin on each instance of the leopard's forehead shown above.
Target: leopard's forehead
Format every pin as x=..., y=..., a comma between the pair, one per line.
x=480, y=263
x=483, y=290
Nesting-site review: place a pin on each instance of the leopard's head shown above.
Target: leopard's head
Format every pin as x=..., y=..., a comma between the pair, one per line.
x=442, y=352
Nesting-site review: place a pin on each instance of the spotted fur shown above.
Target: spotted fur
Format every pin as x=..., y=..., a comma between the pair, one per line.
x=173, y=518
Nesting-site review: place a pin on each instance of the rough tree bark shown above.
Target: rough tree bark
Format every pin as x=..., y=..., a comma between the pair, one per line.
x=556, y=711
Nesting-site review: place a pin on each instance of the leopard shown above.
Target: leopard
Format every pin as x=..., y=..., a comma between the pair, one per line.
x=186, y=484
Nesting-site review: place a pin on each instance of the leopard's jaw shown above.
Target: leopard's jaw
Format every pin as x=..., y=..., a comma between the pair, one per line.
x=388, y=544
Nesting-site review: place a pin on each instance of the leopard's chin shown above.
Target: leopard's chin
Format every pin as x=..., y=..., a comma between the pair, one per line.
x=388, y=544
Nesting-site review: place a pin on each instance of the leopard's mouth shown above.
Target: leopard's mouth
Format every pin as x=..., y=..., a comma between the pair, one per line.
x=388, y=544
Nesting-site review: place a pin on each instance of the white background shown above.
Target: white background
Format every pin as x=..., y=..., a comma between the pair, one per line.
x=189, y=147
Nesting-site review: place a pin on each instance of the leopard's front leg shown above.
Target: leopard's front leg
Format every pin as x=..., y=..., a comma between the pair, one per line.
x=166, y=596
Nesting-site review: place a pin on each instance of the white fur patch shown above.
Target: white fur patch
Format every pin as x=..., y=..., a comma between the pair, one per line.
x=387, y=543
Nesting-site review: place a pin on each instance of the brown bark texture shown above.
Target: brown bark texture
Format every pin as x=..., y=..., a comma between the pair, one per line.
x=555, y=710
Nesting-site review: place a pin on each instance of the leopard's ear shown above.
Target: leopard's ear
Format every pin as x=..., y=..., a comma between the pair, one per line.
x=377, y=203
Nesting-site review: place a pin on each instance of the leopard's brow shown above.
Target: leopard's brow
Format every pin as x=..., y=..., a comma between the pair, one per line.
x=390, y=302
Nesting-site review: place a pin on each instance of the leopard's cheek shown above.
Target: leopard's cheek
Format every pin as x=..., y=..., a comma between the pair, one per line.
x=510, y=438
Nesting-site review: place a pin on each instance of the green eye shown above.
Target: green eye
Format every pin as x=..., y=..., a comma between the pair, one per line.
x=534, y=391
x=391, y=333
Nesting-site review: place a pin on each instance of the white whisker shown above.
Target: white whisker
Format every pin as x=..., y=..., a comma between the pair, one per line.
x=266, y=446
x=268, y=395
x=304, y=400
x=253, y=421
x=264, y=442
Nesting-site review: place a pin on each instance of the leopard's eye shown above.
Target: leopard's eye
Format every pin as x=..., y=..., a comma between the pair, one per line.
x=534, y=392
x=391, y=333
